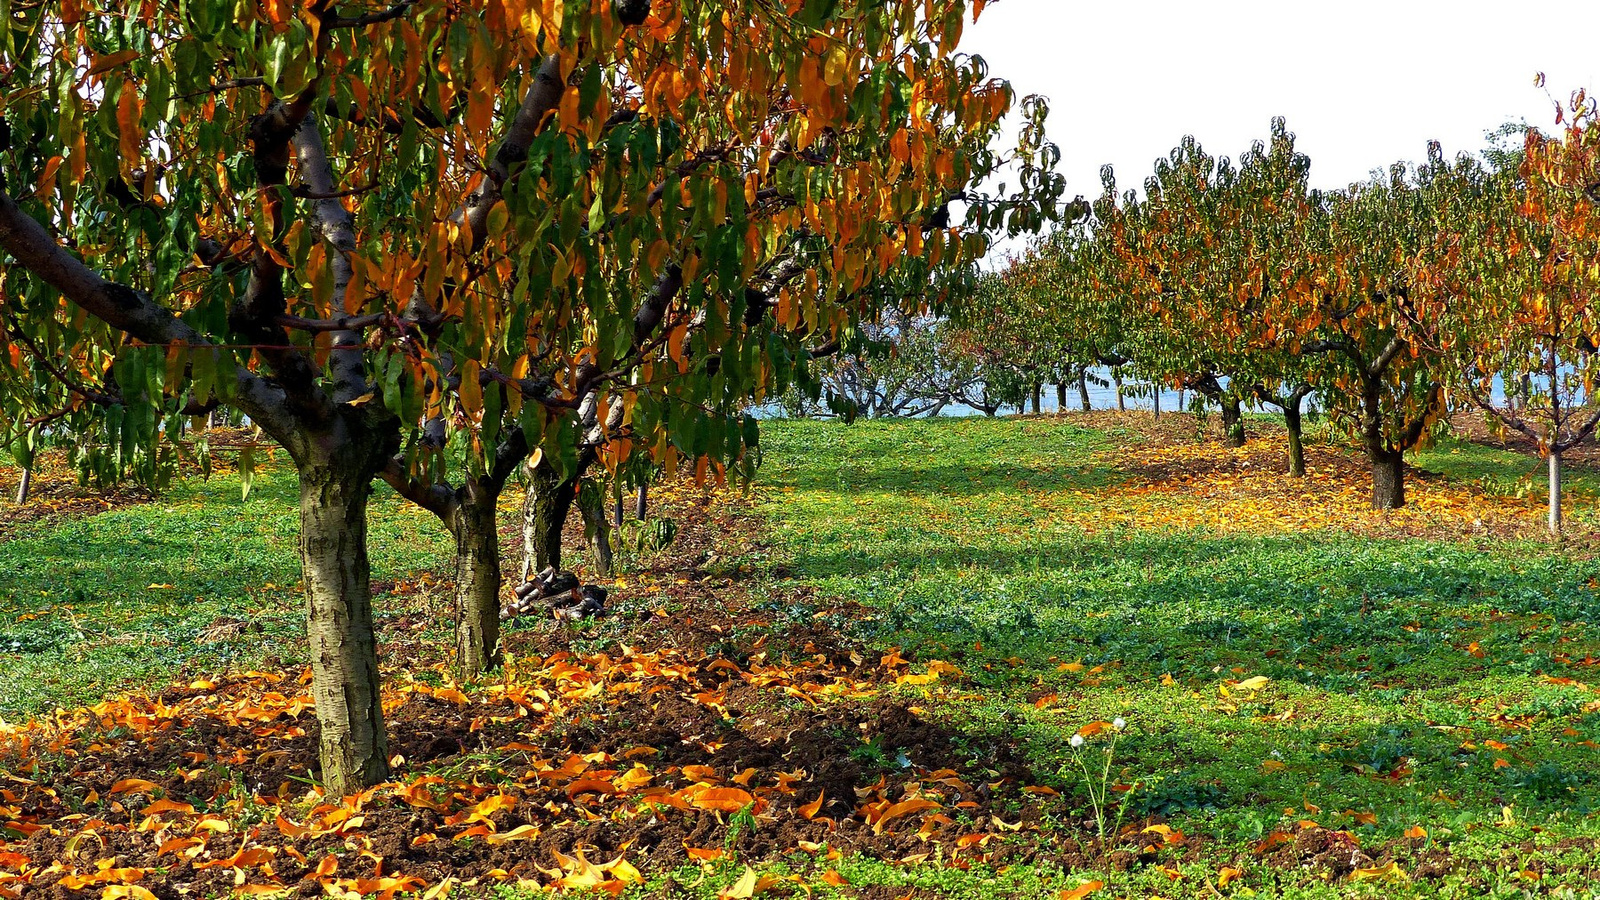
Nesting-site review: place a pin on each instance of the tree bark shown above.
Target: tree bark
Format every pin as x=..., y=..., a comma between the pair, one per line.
x=344, y=660
x=1116, y=380
x=641, y=503
x=592, y=506
x=1232, y=421
x=1555, y=491
x=23, y=485
x=1155, y=401
x=1297, y=453
x=1388, y=479
x=538, y=510
x=1061, y=397
x=1034, y=396
x=1083, y=390
x=472, y=522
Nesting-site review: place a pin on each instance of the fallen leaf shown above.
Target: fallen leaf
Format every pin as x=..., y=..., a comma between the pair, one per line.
x=1389, y=872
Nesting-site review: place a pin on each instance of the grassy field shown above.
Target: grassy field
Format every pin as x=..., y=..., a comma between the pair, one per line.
x=1318, y=700
x=1374, y=683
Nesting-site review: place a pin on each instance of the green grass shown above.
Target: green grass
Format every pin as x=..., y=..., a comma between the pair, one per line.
x=95, y=606
x=1392, y=661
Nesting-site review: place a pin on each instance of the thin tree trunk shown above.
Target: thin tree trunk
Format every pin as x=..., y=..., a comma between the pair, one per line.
x=1083, y=390
x=1156, y=401
x=617, y=513
x=592, y=506
x=1555, y=492
x=1116, y=380
x=24, y=485
x=1181, y=403
x=1388, y=479
x=1037, y=390
x=344, y=660
x=477, y=581
x=537, y=509
x=1297, y=453
x=560, y=507
x=1232, y=421
x=1061, y=397
x=641, y=506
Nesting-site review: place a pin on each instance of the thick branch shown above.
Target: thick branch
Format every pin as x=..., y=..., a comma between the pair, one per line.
x=336, y=226
x=123, y=308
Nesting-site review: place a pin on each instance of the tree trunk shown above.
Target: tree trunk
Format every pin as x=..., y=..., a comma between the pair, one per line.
x=344, y=660
x=537, y=511
x=1083, y=390
x=477, y=582
x=1061, y=397
x=1388, y=479
x=1037, y=390
x=24, y=485
x=1297, y=453
x=592, y=506
x=1555, y=492
x=1116, y=380
x=618, y=511
x=641, y=506
x=1232, y=421
x=1156, y=401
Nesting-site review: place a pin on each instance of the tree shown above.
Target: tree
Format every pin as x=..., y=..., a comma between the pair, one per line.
x=1366, y=295
x=1527, y=268
x=384, y=234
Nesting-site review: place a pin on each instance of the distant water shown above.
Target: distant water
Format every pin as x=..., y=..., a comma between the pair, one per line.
x=1136, y=395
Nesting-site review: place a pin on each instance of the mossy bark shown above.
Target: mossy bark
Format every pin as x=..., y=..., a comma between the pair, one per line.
x=344, y=660
x=477, y=597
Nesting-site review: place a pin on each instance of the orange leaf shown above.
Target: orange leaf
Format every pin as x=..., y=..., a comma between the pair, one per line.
x=138, y=785
x=722, y=799
x=900, y=809
x=113, y=60
x=590, y=786
x=811, y=809
x=1082, y=890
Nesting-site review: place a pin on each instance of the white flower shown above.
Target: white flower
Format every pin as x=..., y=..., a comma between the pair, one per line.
x=1119, y=723
x=1077, y=740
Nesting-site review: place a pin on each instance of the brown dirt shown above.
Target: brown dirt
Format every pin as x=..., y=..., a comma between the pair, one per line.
x=56, y=496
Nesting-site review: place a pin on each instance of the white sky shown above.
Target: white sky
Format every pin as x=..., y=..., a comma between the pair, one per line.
x=1361, y=83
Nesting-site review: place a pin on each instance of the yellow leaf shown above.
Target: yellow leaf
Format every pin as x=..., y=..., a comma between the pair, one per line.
x=520, y=833
x=1227, y=874
x=748, y=885
x=1253, y=684
x=833, y=71
x=128, y=892
x=1390, y=872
